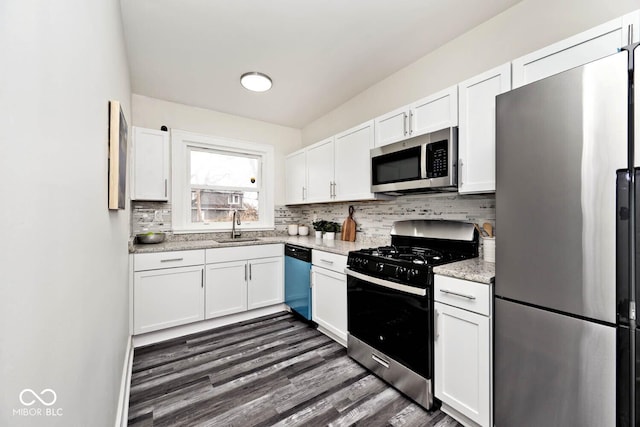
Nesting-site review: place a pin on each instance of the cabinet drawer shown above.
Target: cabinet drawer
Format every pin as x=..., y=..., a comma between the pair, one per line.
x=463, y=294
x=329, y=260
x=239, y=253
x=158, y=260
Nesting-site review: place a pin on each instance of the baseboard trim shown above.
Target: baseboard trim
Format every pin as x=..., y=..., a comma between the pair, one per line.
x=192, y=328
x=122, y=415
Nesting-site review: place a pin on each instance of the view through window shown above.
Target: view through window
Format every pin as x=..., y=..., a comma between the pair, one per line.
x=222, y=183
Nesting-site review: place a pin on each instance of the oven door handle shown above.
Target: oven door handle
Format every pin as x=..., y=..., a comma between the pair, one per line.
x=386, y=283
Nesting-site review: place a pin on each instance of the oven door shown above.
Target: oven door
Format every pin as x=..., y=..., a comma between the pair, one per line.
x=388, y=317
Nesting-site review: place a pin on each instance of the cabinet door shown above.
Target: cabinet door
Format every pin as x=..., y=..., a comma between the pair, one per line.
x=392, y=127
x=435, y=112
x=168, y=297
x=477, y=131
x=266, y=284
x=320, y=172
x=580, y=49
x=462, y=362
x=295, y=182
x=329, y=301
x=150, y=164
x=226, y=290
x=353, y=164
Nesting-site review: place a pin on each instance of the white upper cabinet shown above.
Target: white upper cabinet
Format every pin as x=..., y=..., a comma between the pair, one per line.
x=320, y=171
x=392, y=127
x=580, y=49
x=352, y=163
x=334, y=169
x=477, y=129
x=150, y=165
x=434, y=112
x=295, y=166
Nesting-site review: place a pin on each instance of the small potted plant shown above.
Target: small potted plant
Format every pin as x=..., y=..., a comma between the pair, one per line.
x=318, y=226
x=330, y=230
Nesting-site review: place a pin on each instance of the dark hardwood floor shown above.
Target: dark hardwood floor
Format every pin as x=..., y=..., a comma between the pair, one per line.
x=275, y=370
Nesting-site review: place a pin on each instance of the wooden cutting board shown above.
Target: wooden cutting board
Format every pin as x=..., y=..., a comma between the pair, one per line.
x=349, y=227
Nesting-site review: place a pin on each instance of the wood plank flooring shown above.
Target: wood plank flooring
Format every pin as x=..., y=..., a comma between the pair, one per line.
x=271, y=371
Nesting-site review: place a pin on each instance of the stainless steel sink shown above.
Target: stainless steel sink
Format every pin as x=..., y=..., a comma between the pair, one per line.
x=238, y=240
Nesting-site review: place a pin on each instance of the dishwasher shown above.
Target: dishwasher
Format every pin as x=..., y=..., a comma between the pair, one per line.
x=297, y=279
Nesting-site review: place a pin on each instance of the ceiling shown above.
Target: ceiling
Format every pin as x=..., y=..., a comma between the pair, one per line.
x=319, y=53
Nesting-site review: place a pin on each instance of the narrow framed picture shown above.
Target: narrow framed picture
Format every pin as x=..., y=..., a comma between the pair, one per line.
x=117, y=156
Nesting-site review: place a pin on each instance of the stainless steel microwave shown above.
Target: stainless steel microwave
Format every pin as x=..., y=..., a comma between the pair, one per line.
x=424, y=163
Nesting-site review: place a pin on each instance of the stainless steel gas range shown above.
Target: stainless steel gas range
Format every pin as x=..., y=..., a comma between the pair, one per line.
x=390, y=301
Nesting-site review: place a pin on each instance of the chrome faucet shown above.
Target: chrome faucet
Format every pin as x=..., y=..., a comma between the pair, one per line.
x=236, y=218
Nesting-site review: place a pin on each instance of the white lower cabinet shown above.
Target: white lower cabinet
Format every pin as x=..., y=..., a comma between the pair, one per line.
x=462, y=347
x=329, y=294
x=167, y=297
x=329, y=301
x=265, y=285
x=226, y=291
x=245, y=278
x=180, y=287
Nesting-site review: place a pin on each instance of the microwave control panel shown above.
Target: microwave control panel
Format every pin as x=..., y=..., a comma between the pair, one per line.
x=438, y=159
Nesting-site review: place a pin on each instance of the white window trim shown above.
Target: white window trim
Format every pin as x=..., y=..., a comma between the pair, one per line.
x=181, y=197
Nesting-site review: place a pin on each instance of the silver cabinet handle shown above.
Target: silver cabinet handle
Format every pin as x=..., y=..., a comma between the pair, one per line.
x=435, y=325
x=411, y=123
x=245, y=272
x=380, y=360
x=467, y=296
x=404, y=123
x=202, y=278
x=165, y=187
x=303, y=195
x=249, y=271
x=171, y=259
x=327, y=261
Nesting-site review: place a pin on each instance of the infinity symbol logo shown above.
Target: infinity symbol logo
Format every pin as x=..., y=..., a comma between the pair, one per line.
x=34, y=394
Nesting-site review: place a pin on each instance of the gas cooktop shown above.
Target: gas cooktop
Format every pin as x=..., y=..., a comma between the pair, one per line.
x=416, y=246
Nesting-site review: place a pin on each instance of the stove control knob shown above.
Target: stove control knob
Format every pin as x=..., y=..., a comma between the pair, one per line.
x=380, y=267
x=411, y=273
x=401, y=272
x=364, y=262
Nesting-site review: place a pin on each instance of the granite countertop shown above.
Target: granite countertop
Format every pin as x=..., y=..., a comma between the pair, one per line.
x=334, y=246
x=475, y=269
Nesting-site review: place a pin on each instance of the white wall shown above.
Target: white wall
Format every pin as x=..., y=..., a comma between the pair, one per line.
x=63, y=258
x=526, y=27
x=153, y=113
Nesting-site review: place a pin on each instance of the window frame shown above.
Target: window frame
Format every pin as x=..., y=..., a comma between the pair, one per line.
x=181, y=144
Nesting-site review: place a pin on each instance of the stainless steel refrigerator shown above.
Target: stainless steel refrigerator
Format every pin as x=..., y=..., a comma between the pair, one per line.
x=563, y=336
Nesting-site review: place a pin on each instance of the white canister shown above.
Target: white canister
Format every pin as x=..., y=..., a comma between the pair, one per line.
x=293, y=229
x=330, y=235
x=318, y=234
x=303, y=230
x=489, y=248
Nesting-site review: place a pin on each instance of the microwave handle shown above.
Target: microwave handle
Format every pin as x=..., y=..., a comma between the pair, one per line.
x=423, y=161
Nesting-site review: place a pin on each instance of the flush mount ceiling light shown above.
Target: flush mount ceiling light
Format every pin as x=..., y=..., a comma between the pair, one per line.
x=255, y=81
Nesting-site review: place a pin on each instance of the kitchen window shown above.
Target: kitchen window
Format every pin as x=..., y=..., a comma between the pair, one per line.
x=214, y=177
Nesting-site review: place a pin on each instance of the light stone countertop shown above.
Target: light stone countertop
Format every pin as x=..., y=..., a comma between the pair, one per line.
x=475, y=270
x=334, y=246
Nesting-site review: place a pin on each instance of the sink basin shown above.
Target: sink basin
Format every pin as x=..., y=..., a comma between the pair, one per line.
x=238, y=240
